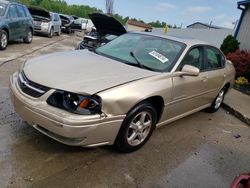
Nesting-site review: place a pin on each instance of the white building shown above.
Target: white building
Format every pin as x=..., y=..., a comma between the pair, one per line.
x=242, y=33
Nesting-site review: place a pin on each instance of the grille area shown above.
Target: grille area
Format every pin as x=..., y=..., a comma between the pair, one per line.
x=30, y=88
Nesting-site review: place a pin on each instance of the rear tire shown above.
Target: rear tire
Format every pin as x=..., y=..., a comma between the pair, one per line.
x=136, y=128
x=3, y=40
x=28, y=39
x=215, y=106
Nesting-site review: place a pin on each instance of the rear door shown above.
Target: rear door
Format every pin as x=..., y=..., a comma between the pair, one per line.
x=13, y=22
x=189, y=92
x=22, y=20
x=215, y=67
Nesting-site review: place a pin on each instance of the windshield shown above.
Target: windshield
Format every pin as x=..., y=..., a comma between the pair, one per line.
x=155, y=53
x=2, y=8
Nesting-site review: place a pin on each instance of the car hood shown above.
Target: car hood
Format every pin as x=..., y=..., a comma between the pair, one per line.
x=81, y=72
x=107, y=25
x=37, y=11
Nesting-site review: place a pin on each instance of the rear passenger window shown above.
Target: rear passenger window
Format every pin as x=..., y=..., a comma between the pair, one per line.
x=12, y=12
x=215, y=59
x=20, y=11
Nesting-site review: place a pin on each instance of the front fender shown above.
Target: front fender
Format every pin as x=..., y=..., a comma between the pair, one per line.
x=119, y=100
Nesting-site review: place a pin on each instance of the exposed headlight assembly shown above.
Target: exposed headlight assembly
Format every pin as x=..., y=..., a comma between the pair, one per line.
x=74, y=103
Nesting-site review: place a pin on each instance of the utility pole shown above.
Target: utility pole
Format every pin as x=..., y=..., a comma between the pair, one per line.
x=110, y=6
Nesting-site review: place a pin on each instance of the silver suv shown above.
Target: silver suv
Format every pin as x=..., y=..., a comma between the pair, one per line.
x=45, y=22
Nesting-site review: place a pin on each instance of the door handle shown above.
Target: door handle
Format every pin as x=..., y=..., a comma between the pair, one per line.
x=204, y=78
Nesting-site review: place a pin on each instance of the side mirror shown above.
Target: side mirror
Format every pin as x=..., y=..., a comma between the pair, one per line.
x=189, y=70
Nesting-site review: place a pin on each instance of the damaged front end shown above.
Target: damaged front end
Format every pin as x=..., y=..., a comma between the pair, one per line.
x=106, y=29
x=41, y=19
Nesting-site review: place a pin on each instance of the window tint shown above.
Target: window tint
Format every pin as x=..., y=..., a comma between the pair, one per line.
x=12, y=12
x=27, y=13
x=194, y=58
x=20, y=11
x=214, y=59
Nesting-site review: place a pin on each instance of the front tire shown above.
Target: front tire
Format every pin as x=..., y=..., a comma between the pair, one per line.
x=3, y=40
x=215, y=106
x=136, y=128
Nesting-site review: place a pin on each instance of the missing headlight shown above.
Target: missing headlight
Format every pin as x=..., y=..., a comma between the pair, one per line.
x=79, y=104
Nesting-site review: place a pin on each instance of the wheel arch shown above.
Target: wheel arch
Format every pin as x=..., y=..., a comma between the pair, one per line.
x=32, y=29
x=227, y=86
x=157, y=102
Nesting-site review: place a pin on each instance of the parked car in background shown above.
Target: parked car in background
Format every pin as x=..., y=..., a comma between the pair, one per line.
x=45, y=22
x=15, y=23
x=66, y=23
x=120, y=92
x=106, y=29
x=77, y=24
x=70, y=24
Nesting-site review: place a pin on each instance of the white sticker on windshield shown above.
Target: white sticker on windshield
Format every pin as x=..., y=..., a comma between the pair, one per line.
x=158, y=56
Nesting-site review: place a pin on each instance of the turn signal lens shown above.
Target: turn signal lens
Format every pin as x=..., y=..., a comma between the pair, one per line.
x=84, y=103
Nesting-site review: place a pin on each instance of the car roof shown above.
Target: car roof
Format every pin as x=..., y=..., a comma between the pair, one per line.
x=3, y=1
x=187, y=41
x=10, y=2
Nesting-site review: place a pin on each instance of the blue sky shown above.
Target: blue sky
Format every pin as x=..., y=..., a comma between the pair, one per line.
x=185, y=12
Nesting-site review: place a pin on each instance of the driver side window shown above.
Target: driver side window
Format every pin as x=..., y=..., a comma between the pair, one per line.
x=194, y=58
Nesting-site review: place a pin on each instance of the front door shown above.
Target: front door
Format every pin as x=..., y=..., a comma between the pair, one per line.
x=189, y=92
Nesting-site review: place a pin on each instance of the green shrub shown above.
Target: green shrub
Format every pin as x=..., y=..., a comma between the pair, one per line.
x=229, y=45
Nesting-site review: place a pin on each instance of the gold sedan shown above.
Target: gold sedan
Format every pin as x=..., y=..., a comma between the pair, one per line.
x=118, y=94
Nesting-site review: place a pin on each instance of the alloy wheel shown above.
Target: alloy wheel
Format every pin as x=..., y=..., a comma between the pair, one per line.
x=139, y=128
x=219, y=99
x=4, y=40
x=30, y=36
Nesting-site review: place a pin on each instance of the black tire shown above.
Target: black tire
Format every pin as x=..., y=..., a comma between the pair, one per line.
x=3, y=40
x=51, y=33
x=28, y=39
x=122, y=142
x=215, y=106
x=59, y=32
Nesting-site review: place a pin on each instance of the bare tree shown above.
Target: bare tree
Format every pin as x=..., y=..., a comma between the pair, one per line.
x=110, y=6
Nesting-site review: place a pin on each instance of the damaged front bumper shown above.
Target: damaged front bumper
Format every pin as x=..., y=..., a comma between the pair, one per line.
x=67, y=128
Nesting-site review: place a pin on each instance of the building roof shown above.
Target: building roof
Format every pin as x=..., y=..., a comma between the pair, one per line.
x=184, y=40
x=247, y=2
x=211, y=36
x=206, y=25
x=139, y=24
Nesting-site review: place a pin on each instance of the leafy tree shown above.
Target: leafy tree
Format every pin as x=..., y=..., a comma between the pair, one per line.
x=229, y=45
x=61, y=6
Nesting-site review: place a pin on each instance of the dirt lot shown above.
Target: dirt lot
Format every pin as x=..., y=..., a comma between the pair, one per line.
x=202, y=150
